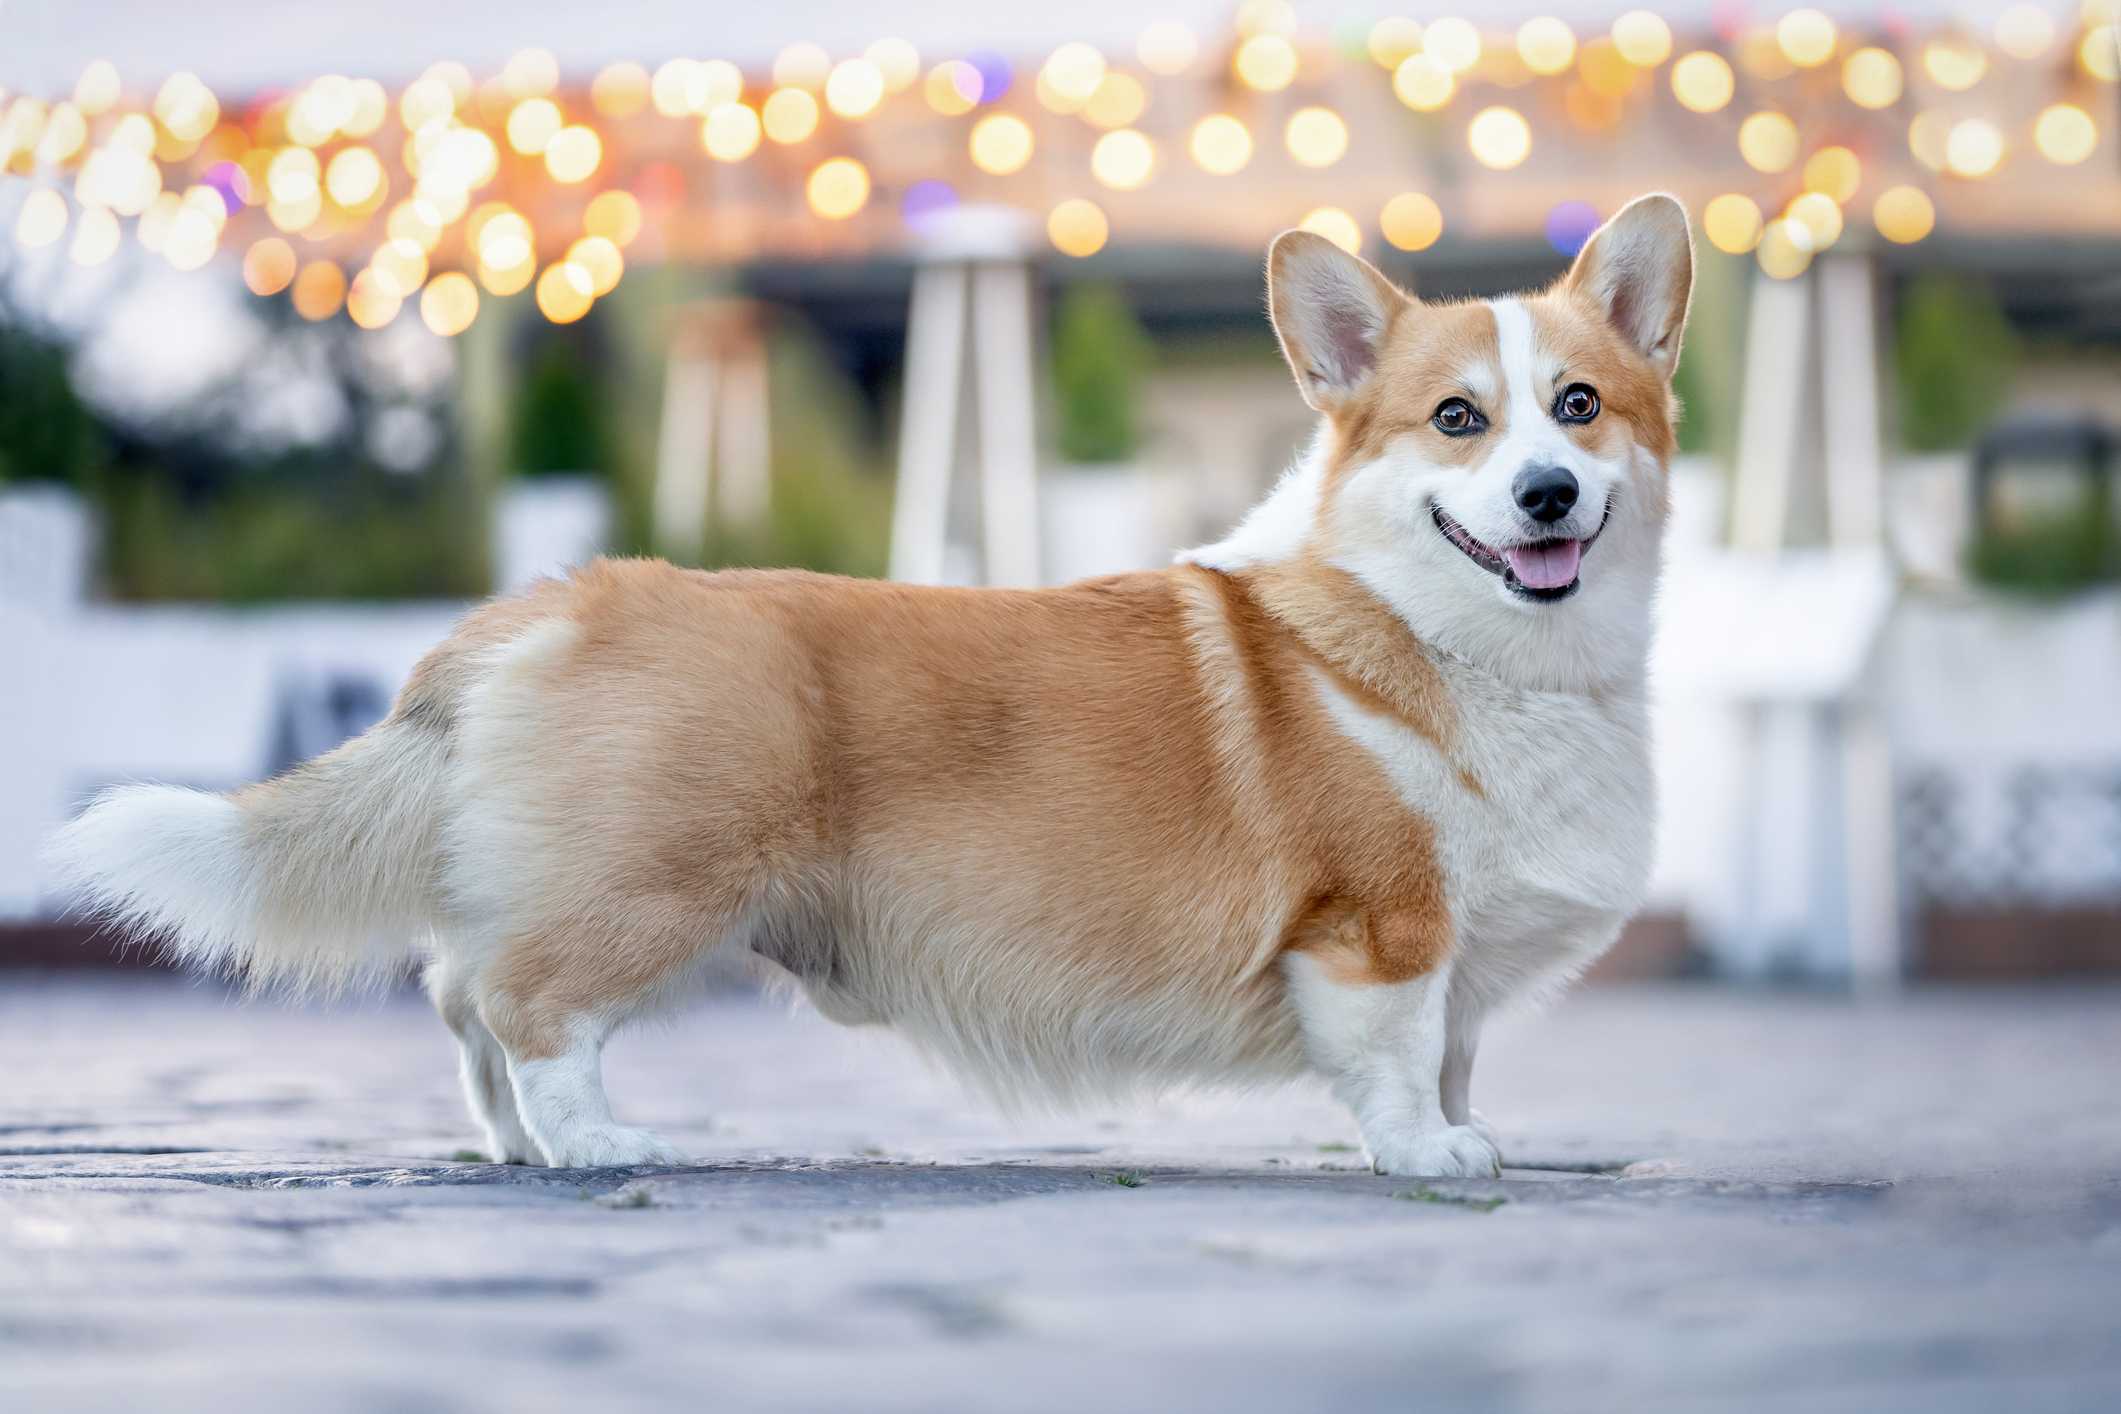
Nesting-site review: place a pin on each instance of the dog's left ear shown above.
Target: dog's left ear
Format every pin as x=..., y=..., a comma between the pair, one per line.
x=1639, y=268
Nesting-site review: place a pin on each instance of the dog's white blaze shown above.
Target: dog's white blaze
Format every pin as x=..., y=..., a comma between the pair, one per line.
x=1513, y=341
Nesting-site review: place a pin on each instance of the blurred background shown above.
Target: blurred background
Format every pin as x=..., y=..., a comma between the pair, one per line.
x=318, y=322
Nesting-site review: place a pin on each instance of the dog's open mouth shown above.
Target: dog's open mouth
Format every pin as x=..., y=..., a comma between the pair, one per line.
x=1539, y=569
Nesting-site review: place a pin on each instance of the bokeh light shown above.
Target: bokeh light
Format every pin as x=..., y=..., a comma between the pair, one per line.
x=601, y=258
x=1569, y=226
x=319, y=290
x=2065, y=134
x=1836, y=171
x=1817, y=213
x=42, y=219
x=574, y=154
x=1220, y=144
x=1411, y=221
x=802, y=65
x=854, y=88
x=1768, y=142
x=1423, y=84
x=1266, y=62
x=1336, y=226
x=1077, y=227
x=1000, y=144
x=1120, y=100
x=897, y=60
x=1392, y=41
x=1546, y=44
x=1732, y=223
x=269, y=266
x=619, y=91
x=532, y=123
x=614, y=215
x=449, y=304
x=2024, y=31
x=1453, y=43
x=1316, y=137
x=1806, y=37
x=1703, y=82
x=1785, y=250
x=1642, y=38
x=1499, y=137
x=838, y=187
x=1973, y=148
x=1123, y=160
x=1871, y=78
x=1167, y=48
x=1903, y=215
x=563, y=293
x=952, y=88
x=789, y=115
x=1954, y=62
x=730, y=132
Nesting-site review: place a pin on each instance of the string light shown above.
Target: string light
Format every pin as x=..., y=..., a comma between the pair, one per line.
x=1167, y=48
x=2024, y=31
x=1392, y=41
x=449, y=304
x=1973, y=148
x=1220, y=144
x=269, y=266
x=1266, y=62
x=1954, y=62
x=790, y=115
x=319, y=290
x=1819, y=216
x=1785, y=250
x=1078, y=227
x=1871, y=78
x=1499, y=137
x=1423, y=84
x=619, y=91
x=614, y=215
x=96, y=237
x=563, y=293
x=1336, y=226
x=1546, y=44
x=42, y=219
x=1316, y=137
x=838, y=187
x=1453, y=43
x=1768, y=142
x=1836, y=171
x=1411, y=221
x=1732, y=223
x=1000, y=144
x=1642, y=38
x=1123, y=159
x=1903, y=215
x=730, y=132
x=2065, y=134
x=1703, y=82
x=1806, y=38
x=898, y=61
x=854, y=88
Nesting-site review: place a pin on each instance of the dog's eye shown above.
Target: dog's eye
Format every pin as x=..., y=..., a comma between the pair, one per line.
x=1456, y=418
x=1578, y=403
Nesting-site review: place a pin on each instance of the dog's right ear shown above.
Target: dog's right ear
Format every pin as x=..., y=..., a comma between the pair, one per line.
x=1330, y=311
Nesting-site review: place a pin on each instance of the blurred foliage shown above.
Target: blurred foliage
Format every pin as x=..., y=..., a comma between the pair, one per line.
x=1710, y=377
x=46, y=434
x=1954, y=353
x=369, y=540
x=831, y=496
x=2052, y=550
x=561, y=424
x=1100, y=356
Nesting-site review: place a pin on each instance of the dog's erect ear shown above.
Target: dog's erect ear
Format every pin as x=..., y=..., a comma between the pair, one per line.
x=1639, y=268
x=1330, y=311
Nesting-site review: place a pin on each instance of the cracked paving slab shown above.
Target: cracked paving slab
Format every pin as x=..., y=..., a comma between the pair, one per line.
x=1731, y=1201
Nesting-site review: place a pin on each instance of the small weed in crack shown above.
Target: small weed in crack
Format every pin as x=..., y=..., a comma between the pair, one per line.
x=1422, y=1193
x=1125, y=1178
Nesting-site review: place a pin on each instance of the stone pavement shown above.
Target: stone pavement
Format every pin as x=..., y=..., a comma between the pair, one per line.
x=1727, y=1201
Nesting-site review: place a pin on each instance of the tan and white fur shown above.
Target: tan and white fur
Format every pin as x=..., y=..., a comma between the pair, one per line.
x=1319, y=797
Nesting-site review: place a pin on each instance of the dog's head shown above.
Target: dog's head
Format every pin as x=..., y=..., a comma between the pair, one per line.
x=1495, y=470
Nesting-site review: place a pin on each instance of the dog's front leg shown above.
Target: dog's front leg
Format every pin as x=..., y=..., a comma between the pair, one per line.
x=1384, y=1044
x=1461, y=1041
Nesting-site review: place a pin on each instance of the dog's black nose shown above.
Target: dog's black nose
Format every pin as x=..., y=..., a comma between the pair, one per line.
x=1547, y=493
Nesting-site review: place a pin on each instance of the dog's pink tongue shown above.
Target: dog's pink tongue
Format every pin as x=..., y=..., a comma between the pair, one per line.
x=1545, y=566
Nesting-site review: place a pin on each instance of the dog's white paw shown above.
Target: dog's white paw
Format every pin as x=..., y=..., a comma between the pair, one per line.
x=609, y=1146
x=1478, y=1123
x=1460, y=1151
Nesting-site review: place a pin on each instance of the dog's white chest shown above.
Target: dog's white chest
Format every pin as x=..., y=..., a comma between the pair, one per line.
x=1543, y=805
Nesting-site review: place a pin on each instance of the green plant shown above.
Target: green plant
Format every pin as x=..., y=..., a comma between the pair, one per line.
x=1125, y=1178
x=45, y=432
x=1422, y=1193
x=1100, y=356
x=1954, y=353
x=561, y=424
x=2050, y=551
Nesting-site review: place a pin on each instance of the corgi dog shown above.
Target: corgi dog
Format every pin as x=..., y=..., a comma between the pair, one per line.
x=1315, y=798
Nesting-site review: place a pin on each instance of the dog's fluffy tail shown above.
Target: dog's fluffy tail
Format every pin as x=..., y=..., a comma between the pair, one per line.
x=318, y=880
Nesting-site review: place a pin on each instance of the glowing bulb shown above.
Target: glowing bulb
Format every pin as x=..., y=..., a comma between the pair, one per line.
x=2099, y=53
x=1499, y=138
x=400, y=266
x=1220, y=144
x=1336, y=226
x=619, y=91
x=790, y=115
x=730, y=132
x=2065, y=134
x=1423, y=84
x=1974, y=148
x=1703, y=82
x=449, y=304
x=802, y=65
x=1072, y=73
x=573, y=154
x=1078, y=228
x=1768, y=142
x=1316, y=137
x=1871, y=78
x=1819, y=216
x=1954, y=62
x=614, y=215
x=530, y=72
x=42, y=219
x=319, y=290
x=1546, y=45
x=1411, y=221
x=532, y=124
x=355, y=178
x=1642, y=38
x=1167, y=48
x=1836, y=171
x=898, y=61
x=1123, y=160
x=563, y=292
x=1453, y=43
x=2024, y=31
x=1266, y=62
x=1000, y=144
x=1785, y=250
x=1806, y=38
x=952, y=88
x=854, y=88
x=1119, y=100
x=838, y=188
x=1393, y=41
x=97, y=90
x=1903, y=215
x=602, y=260
x=1732, y=223
x=96, y=237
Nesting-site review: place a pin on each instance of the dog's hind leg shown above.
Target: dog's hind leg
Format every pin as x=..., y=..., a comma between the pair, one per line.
x=553, y=999
x=484, y=1069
